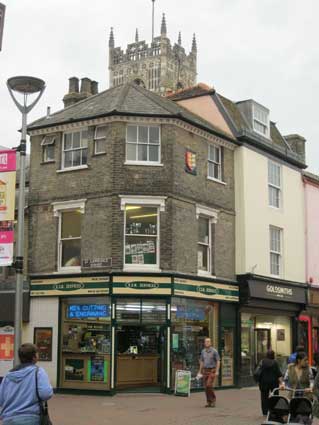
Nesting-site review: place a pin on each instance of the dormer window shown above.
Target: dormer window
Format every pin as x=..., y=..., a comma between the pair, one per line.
x=260, y=119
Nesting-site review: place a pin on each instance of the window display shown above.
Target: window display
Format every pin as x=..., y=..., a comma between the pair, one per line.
x=43, y=340
x=86, y=343
x=192, y=322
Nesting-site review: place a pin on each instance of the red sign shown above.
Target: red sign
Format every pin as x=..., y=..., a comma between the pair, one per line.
x=6, y=347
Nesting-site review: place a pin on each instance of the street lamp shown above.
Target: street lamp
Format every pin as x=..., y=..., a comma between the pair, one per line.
x=25, y=86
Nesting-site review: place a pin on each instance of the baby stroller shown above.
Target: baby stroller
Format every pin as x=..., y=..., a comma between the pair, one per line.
x=279, y=409
x=300, y=409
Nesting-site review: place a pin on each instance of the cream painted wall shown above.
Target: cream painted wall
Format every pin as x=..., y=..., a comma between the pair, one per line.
x=254, y=216
x=44, y=312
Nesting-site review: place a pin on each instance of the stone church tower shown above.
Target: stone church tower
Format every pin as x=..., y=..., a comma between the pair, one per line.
x=159, y=66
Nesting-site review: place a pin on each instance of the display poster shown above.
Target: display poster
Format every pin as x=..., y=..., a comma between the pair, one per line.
x=6, y=343
x=97, y=369
x=175, y=341
x=6, y=243
x=43, y=340
x=281, y=335
x=227, y=371
x=7, y=184
x=74, y=370
x=183, y=383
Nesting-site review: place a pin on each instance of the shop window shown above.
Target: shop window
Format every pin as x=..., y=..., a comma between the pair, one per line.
x=274, y=184
x=192, y=322
x=48, y=148
x=70, y=239
x=275, y=251
x=143, y=144
x=141, y=235
x=86, y=343
x=75, y=149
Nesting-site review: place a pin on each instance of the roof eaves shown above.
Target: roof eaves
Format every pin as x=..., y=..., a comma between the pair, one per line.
x=223, y=110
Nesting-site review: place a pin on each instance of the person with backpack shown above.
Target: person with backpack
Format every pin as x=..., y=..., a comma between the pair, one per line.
x=22, y=389
x=269, y=378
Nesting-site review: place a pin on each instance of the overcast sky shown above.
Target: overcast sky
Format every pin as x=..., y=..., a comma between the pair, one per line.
x=261, y=49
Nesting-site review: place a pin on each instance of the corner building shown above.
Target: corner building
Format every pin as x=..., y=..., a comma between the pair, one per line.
x=131, y=243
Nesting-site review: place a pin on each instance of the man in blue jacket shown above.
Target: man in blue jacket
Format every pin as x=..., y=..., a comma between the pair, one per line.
x=18, y=397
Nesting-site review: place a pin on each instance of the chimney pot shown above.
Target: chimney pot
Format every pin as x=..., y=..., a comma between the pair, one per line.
x=73, y=85
x=94, y=87
x=48, y=111
x=85, y=85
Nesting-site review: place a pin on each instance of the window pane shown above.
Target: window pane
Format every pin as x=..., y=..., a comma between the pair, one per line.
x=76, y=158
x=128, y=310
x=203, y=230
x=71, y=224
x=275, y=264
x=142, y=134
x=142, y=152
x=274, y=197
x=210, y=169
x=84, y=156
x=71, y=253
x=131, y=133
x=153, y=311
x=154, y=153
x=217, y=154
x=154, y=135
x=48, y=154
x=202, y=257
x=100, y=146
x=67, y=141
x=216, y=171
x=131, y=152
x=140, y=250
x=274, y=174
x=76, y=139
x=141, y=220
x=68, y=159
x=100, y=132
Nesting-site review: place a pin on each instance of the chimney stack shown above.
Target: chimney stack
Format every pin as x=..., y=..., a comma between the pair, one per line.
x=74, y=95
x=297, y=144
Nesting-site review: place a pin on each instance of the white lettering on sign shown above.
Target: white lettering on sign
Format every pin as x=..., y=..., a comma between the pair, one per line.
x=279, y=291
x=4, y=159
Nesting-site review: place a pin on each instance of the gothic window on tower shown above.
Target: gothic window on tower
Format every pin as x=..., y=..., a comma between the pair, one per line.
x=118, y=78
x=154, y=73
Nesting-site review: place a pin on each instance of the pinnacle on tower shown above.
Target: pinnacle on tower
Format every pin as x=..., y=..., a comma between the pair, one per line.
x=111, y=39
x=194, y=44
x=136, y=36
x=163, y=26
x=179, y=38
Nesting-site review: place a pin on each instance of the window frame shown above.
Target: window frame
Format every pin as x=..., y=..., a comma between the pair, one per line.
x=144, y=201
x=76, y=167
x=45, y=146
x=58, y=209
x=212, y=216
x=255, y=107
x=137, y=161
x=96, y=139
x=274, y=186
x=278, y=254
x=219, y=165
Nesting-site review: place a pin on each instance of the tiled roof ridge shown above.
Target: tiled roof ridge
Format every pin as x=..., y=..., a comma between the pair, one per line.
x=202, y=86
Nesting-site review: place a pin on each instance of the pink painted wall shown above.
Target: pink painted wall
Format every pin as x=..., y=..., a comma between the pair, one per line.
x=312, y=231
x=205, y=107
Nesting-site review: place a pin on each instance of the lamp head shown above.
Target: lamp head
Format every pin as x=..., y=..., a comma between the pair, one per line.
x=26, y=85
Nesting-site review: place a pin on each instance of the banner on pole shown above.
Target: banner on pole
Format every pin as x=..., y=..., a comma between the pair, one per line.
x=6, y=243
x=6, y=343
x=7, y=184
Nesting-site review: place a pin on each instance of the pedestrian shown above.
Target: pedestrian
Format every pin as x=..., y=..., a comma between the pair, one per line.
x=209, y=364
x=292, y=357
x=269, y=379
x=299, y=376
x=18, y=391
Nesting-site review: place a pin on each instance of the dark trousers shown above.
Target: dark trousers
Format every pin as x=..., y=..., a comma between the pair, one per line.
x=264, y=395
x=209, y=376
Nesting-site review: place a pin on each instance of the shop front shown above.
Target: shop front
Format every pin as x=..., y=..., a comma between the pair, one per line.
x=133, y=332
x=311, y=316
x=268, y=313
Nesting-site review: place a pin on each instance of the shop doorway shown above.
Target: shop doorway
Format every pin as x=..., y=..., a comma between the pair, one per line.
x=262, y=343
x=141, y=344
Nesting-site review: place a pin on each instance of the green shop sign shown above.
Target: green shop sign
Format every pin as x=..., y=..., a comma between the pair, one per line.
x=70, y=286
x=142, y=284
x=203, y=289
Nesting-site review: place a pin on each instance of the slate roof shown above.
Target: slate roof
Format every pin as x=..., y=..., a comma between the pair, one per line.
x=195, y=91
x=128, y=99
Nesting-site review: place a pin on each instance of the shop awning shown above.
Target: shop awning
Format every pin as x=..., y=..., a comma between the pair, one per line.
x=7, y=306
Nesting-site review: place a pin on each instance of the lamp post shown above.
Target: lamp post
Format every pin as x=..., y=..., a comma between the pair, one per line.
x=25, y=86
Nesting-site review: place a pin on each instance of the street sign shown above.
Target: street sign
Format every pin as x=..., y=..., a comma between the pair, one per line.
x=2, y=13
x=96, y=263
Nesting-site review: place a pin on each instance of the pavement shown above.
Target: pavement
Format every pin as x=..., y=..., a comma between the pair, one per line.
x=234, y=407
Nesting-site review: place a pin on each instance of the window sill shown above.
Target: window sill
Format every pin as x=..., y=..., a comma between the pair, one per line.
x=205, y=274
x=66, y=170
x=47, y=162
x=68, y=270
x=217, y=181
x=141, y=268
x=144, y=163
x=98, y=154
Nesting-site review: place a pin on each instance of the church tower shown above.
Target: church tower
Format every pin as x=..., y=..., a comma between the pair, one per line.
x=158, y=66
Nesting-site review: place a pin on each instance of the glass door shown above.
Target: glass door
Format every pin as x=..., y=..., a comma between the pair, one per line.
x=262, y=343
x=227, y=357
